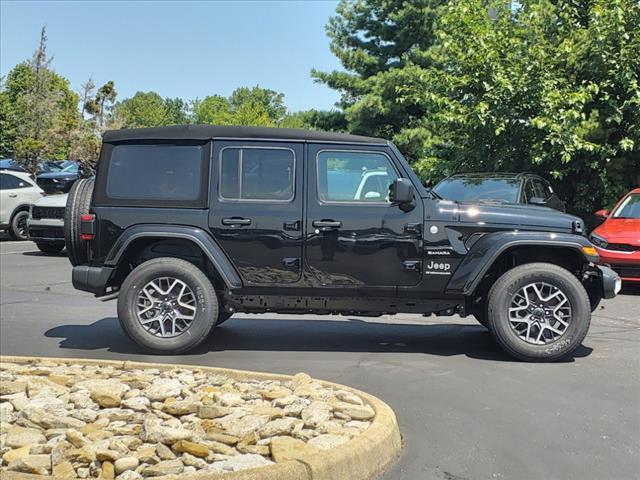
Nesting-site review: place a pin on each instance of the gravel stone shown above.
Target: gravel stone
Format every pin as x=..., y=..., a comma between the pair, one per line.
x=101, y=421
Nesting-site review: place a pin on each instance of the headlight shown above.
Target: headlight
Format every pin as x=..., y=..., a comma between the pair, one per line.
x=598, y=241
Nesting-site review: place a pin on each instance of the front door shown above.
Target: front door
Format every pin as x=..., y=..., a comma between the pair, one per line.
x=256, y=209
x=355, y=236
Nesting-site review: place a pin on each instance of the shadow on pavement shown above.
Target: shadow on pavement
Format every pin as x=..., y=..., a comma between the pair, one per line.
x=267, y=334
x=38, y=253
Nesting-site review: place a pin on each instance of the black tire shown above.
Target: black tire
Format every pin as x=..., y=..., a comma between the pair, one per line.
x=499, y=301
x=18, y=228
x=206, y=308
x=78, y=203
x=49, y=248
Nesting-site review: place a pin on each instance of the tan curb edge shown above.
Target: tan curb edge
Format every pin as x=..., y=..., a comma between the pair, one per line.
x=362, y=458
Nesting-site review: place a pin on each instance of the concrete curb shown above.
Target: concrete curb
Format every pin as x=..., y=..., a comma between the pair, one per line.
x=362, y=458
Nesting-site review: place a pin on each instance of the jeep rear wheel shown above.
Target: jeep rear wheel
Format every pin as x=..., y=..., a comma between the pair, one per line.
x=78, y=203
x=167, y=306
x=538, y=312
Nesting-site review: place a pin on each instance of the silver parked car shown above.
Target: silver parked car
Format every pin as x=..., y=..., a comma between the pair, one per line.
x=46, y=222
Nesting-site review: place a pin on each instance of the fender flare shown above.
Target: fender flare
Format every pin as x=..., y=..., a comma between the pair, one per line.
x=490, y=246
x=201, y=238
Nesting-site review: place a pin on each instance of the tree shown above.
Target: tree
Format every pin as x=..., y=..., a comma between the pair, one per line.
x=87, y=92
x=212, y=110
x=332, y=120
x=177, y=112
x=105, y=97
x=256, y=107
x=144, y=109
x=259, y=99
x=544, y=85
x=38, y=110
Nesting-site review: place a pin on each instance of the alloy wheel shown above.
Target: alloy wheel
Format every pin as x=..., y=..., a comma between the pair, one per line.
x=539, y=313
x=166, y=307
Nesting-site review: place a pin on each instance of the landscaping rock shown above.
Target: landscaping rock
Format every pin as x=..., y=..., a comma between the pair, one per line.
x=101, y=421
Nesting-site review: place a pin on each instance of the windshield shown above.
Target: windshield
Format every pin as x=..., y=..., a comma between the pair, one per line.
x=629, y=208
x=72, y=168
x=503, y=190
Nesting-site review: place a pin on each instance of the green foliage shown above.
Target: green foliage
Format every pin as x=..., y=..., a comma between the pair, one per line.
x=545, y=86
x=246, y=106
x=37, y=111
x=144, y=109
x=260, y=100
x=28, y=152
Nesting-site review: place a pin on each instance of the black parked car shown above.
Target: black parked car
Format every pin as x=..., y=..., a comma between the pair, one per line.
x=188, y=225
x=524, y=188
x=60, y=181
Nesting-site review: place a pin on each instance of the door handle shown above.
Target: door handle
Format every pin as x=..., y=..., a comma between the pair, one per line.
x=327, y=224
x=13, y=195
x=236, y=221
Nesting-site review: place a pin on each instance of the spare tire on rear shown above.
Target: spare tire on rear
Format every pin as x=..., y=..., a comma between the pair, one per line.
x=78, y=203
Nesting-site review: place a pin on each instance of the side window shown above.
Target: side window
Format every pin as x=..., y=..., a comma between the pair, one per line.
x=540, y=190
x=351, y=176
x=248, y=173
x=171, y=174
x=529, y=191
x=11, y=182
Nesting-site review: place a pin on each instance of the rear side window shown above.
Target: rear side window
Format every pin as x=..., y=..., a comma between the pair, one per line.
x=257, y=174
x=10, y=182
x=158, y=174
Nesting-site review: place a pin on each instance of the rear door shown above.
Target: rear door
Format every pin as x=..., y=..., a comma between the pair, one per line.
x=14, y=191
x=355, y=236
x=256, y=209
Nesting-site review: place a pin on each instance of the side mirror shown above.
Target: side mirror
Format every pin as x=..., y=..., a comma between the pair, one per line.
x=537, y=201
x=603, y=213
x=401, y=193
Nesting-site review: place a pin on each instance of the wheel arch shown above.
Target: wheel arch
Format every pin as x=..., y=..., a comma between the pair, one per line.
x=23, y=207
x=494, y=253
x=190, y=243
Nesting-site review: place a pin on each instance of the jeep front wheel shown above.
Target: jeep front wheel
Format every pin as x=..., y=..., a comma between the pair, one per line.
x=167, y=306
x=538, y=312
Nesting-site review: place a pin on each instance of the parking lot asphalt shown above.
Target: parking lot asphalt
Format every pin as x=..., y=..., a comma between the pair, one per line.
x=465, y=409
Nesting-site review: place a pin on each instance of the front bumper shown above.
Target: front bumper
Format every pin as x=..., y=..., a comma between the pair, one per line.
x=46, y=230
x=91, y=279
x=611, y=282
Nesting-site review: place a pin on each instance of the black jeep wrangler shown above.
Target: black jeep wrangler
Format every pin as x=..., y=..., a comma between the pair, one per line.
x=187, y=225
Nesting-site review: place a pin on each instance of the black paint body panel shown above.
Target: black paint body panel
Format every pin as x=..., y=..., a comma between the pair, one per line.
x=381, y=258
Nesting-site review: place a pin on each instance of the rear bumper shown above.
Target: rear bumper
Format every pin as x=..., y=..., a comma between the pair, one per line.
x=91, y=279
x=611, y=282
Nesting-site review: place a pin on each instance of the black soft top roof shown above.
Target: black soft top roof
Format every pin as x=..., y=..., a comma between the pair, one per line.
x=206, y=132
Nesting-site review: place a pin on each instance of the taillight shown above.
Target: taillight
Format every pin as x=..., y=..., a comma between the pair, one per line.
x=87, y=223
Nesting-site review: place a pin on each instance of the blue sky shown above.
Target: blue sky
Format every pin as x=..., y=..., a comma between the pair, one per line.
x=179, y=49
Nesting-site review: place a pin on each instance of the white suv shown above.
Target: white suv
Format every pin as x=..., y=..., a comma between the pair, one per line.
x=17, y=192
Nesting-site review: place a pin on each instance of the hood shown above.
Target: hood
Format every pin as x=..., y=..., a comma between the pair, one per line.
x=620, y=230
x=59, y=175
x=52, y=201
x=516, y=216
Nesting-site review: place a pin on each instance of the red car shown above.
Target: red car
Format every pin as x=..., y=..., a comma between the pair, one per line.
x=617, y=239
